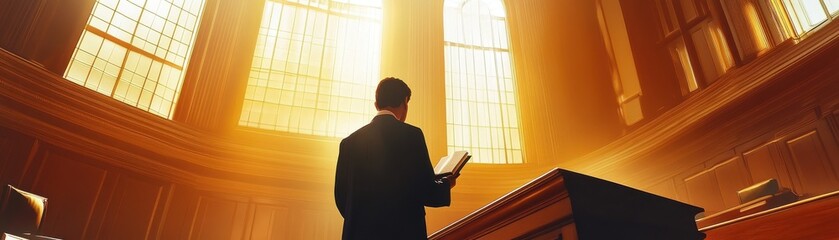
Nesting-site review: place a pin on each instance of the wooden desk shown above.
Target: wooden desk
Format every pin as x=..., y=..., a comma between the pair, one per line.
x=812, y=218
x=566, y=205
x=6, y=236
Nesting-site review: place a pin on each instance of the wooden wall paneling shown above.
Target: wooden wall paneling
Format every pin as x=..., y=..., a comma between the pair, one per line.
x=16, y=151
x=811, y=162
x=732, y=176
x=134, y=209
x=5, y=155
x=72, y=186
x=679, y=181
x=833, y=134
x=665, y=189
x=214, y=85
x=703, y=190
x=833, y=121
x=180, y=213
x=56, y=32
x=681, y=191
x=269, y=222
x=764, y=162
x=315, y=224
x=217, y=218
x=16, y=18
x=748, y=34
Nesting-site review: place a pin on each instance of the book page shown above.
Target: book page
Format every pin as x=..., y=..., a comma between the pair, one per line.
x=449, y=163
x=438, y=168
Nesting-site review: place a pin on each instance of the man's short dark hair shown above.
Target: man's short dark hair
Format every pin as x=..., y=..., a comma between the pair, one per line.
x=391, y=92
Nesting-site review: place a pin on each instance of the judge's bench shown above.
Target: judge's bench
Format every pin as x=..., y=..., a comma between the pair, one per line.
x=562, y=204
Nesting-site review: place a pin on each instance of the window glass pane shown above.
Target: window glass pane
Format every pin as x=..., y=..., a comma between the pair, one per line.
x=681, y=60
x=711, y=50
x=631, y=110
x=832, y=6
x=481, y=112
x=133, y=51
x=667, y=16
x=315, y=67
x=805, y=14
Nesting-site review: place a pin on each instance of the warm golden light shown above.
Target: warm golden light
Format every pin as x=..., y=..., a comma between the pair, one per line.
x=481, y=111
x=680, y=57
x=722, y=53
x=624, y=74
x=758, y=35
x=315, y=67
x=136, y=51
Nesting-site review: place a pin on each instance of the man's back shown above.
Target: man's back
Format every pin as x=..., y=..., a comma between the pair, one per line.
x=384, y=179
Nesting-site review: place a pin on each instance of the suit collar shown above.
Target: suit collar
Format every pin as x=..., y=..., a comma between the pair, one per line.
x=384, y=117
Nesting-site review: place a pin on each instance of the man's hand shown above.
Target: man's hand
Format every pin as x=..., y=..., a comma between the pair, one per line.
x=452, y=179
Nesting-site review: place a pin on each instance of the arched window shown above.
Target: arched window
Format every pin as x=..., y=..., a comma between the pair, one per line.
x=136, y=51
x=480, y=85
x=315, y=67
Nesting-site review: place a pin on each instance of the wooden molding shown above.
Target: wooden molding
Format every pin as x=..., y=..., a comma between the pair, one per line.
x=37, y=103
x=789, y=77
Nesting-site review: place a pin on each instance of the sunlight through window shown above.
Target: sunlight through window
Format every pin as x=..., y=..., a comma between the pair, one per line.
x=136, y=51
x=481, y=108
x=806, y=15
x=315, y=67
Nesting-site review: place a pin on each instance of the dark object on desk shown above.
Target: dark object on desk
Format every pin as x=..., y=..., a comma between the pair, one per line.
x=768, y=187
x=21, y=211
x=810, y=218
x=753, y=199
x=562, y=204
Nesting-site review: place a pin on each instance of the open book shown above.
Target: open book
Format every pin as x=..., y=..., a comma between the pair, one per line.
x=452, y=164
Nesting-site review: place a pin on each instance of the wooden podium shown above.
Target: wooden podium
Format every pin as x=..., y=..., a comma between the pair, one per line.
x=562, y=204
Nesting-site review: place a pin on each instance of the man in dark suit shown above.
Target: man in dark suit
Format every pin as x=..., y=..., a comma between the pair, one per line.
x=384, y=176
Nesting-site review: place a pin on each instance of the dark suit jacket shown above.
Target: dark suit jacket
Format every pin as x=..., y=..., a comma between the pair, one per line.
x=383, y=181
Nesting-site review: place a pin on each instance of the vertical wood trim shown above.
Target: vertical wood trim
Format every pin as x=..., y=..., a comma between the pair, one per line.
x=732, y=176
x=216, y=79
x=164, y=213
x=36, y=148
x=240, y=217
x=19, y=17
x=198, y=215
x=687, y=37
x=43, y=158
x=250, y=215
x=101, y=205
x=809, y=166
x=718, y=13
x=412, y=50
x=160, y=207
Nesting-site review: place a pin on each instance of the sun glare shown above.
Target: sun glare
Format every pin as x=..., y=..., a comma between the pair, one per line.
x=315, y=67
x=481, y=110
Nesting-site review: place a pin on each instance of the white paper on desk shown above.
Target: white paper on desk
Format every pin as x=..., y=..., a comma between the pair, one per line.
x=452, y=163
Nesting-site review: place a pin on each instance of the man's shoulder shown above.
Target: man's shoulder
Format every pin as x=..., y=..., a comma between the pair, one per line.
x=405, y=127
x=413, y=128
x=356, y=134
x=387, y=126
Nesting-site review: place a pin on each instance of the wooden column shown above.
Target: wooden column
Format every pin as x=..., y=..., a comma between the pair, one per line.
x=412, y=50
x=45, y=32
x=217, y=73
